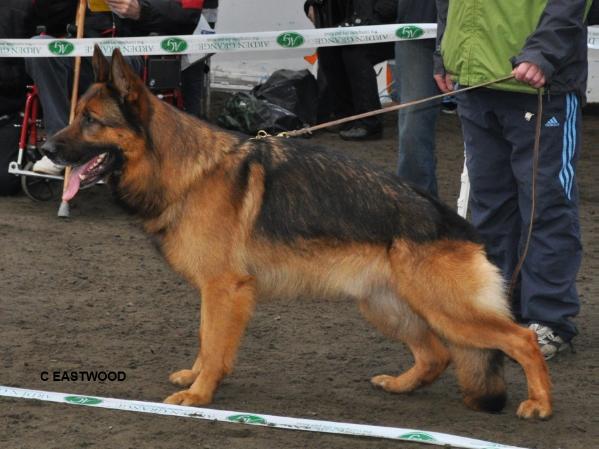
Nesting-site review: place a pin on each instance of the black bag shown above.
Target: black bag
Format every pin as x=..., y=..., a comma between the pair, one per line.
x=9, y=147
x=296, y=91
x=246, y=113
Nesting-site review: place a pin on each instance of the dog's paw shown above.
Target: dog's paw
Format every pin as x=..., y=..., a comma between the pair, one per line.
x=391, y=384
x=383, y=381
x=186, y=397
x=183, y=378
x=534, y=408
x=388, y=383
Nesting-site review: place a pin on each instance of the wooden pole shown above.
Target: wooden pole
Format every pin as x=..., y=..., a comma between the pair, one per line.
x=64, y=210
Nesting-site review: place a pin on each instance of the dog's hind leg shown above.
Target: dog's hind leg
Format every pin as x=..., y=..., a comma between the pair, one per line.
x=453, y=286
x=396, y=320
x=227, y=305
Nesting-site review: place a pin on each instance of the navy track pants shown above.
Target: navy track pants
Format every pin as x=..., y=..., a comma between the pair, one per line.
x=499, y=129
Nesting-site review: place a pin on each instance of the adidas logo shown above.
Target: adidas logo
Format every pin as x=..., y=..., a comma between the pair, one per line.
x=552, y=123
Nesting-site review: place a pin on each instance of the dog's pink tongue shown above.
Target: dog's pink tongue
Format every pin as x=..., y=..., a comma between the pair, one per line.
x=74, y=182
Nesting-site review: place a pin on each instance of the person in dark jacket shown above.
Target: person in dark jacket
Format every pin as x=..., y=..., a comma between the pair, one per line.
x=346, y=75
x=543, y=43
x=416, y=125
x=15, y=22
x=53, y=76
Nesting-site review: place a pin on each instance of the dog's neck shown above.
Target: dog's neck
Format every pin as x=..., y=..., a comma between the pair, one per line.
x=185, y=149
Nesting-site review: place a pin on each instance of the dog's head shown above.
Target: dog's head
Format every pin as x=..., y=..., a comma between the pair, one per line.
x=108, y=132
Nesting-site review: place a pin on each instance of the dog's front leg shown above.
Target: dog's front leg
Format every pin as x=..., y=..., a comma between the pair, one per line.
x=227, y=305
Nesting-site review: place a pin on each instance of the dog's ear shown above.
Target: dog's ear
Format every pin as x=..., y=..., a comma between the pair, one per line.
x=123, y=78
x=100, y=65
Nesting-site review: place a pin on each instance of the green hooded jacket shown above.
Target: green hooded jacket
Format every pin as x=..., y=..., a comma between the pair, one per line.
x=482, y=40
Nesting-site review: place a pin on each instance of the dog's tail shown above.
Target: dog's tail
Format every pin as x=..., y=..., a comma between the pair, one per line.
x=460, y=294
x=480, y=374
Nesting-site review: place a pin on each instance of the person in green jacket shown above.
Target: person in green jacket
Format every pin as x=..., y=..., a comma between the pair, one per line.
x=543, y=44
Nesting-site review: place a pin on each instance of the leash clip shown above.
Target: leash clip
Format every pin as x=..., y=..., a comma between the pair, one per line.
x=262, y=134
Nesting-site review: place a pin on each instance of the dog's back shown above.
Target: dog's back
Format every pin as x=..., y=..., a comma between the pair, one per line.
x=313, y=194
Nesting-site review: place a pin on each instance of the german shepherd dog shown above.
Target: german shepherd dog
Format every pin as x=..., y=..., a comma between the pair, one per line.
x=245, y=219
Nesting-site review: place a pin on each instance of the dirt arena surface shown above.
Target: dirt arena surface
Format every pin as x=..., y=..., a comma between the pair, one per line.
x=92, y=293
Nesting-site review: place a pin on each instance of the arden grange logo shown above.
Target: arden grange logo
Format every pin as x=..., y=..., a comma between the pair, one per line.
x=409, y=32
x=290, y=39
x=247, y=419
x=83, y=400
x=61, y=48
x=418, y=436
x=173, y=45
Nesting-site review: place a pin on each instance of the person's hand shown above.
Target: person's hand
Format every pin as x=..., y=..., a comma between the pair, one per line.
x=444, y=82
x=529, y=73
x=312, y=14
x=128, y=9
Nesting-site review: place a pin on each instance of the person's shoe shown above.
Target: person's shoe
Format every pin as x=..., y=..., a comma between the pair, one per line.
x=46, y=166
x=549, y=342
x=361, y=133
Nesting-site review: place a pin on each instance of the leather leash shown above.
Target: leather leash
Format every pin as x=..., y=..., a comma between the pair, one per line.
x=533, y=193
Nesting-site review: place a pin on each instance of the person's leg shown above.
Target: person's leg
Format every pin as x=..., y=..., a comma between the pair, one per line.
x=193, y=81
x=548, y=291
x=334, y=93
x=494, y=191
x=416, y=124
x=52, y=76
x=359, y=62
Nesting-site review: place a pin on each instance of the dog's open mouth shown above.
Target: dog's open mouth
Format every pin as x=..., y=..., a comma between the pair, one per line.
x=87, y=174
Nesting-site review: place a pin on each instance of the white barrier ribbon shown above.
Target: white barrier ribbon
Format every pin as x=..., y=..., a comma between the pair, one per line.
x=218, y=43
x=281, y=422
x=229, y=42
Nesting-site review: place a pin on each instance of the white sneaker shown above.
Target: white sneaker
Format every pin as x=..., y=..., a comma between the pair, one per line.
x=549, y=342
x=45, y=165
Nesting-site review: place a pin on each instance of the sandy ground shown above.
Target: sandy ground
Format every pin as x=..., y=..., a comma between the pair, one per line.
x=92, y=293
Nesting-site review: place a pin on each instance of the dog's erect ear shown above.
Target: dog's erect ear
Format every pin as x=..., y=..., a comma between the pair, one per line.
x=100, y=65
x=123, y=78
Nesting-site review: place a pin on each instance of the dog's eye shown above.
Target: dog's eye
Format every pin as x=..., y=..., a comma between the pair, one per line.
x=88, y=119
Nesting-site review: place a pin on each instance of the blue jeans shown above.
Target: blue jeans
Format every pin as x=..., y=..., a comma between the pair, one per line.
x=417, y=161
